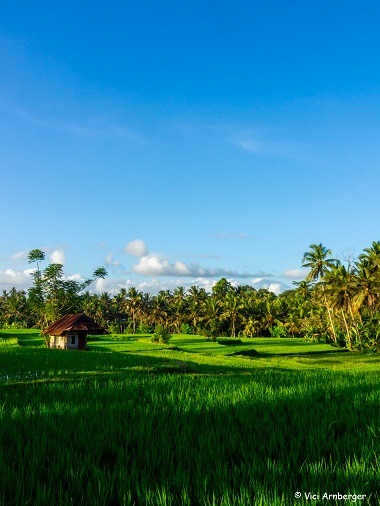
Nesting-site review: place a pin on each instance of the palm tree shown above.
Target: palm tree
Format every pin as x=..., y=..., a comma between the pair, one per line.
x=319, y=263
x=338, y=283
x=232, y=305
x=133, y=304
x=179, y=306
x=366, y=285
x=372, y=254
x=212, y=307
x=196, y=297
x=159, y=310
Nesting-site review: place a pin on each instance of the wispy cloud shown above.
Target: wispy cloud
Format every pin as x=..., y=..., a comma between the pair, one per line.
x=20, y=255
x=251, y=145
x=260, y=143
x=111, y=261
x=96, y=128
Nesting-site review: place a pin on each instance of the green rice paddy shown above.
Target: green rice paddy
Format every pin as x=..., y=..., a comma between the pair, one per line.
x=191, y=423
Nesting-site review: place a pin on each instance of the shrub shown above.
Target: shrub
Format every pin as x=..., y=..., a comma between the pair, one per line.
x=161, y=335
x=144, y=328
x=186, y=329
x=278, y=331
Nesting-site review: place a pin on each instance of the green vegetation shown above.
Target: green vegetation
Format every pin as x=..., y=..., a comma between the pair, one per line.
x=234, y=397
x=192, y=422
x=337, y=302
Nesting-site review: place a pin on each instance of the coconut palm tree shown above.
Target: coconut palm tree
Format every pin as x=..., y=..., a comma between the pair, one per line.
x=159, y=310
x=318, y=260
x=212, y=308
x=339, y=291
x=366, y=285
x=179, y=307
x=372, y=254
x=232, y=306
x=196, y=297
x=133, y=303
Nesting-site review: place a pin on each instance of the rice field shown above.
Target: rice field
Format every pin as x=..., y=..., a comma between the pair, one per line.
x=192, y=423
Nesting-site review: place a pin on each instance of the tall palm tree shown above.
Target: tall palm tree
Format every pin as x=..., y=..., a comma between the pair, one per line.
x=232, y=306
x=366, y=285
x=196, y=297
x=133, y=304
x=338, y=288
x=212, y=309
x=372, y=254
x=318, y=260
x=159, y=310
x=179, y=306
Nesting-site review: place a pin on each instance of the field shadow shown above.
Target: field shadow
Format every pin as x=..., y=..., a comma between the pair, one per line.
x=288, y=439
x=40, y=342
x=304, y=353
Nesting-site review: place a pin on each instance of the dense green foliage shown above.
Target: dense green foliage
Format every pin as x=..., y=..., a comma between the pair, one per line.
x=336, y=302
x=189, y=423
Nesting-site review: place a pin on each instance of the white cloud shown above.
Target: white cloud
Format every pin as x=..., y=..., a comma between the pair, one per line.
x=58, y=257
x=20, y=279
x=20, y=255
x=102, y=285
x=276, y=288
x=155, y=284
x=295, y=273
x=153, y=265
x=75, y=277
x=137, y=248
x=272, y=286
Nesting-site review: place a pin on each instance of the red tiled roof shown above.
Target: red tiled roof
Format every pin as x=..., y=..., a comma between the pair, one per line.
x=69, y=322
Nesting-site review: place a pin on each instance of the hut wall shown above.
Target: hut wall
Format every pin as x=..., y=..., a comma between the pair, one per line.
x=57, y=342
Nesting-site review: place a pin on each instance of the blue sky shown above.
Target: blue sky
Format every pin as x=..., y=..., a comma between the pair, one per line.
x=225, y=137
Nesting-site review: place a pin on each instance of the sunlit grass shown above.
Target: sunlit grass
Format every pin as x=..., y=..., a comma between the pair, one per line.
x=130, y=422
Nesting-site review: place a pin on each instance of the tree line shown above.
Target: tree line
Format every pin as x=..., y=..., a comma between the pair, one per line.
x=337, y=302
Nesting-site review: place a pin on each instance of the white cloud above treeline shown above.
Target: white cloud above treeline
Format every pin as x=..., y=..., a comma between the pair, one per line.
x=20, y=279
x=155, y=264
x=154, y=285
x=160, y=272
x=295, y=273
x=58, y=257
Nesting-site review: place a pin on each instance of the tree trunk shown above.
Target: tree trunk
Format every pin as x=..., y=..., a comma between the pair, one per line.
x=330, y=317
x=347, y=330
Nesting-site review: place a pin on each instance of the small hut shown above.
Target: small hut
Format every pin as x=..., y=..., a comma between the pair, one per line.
x=70, y=331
